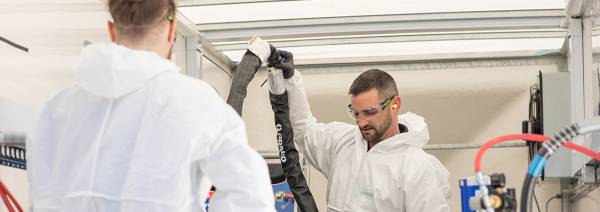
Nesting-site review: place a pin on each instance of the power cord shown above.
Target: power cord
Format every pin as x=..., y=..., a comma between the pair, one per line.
x=558, y=196
x=536, y=201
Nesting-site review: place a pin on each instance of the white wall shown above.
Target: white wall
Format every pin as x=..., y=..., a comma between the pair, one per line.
x=28, y=79
x=216, y=77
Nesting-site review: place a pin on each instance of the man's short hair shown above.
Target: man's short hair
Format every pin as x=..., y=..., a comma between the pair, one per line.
x=374, y=78
x=134, y=18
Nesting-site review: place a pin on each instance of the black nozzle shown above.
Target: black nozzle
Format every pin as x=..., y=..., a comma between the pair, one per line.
x=497, y=180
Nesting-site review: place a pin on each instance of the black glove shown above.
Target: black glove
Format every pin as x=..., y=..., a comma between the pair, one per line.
x=284, y=61
x=274, y=57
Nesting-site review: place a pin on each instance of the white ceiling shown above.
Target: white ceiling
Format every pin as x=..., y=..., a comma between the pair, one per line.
x=336, y=8
x=301, y=11
x=538, y=46
x=61, y=26
x=52, y=26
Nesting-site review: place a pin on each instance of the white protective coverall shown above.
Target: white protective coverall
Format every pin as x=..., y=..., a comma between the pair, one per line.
x=135, y=135
x=395, y=175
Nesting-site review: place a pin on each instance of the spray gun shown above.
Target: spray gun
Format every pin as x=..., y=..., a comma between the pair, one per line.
x=280, y=59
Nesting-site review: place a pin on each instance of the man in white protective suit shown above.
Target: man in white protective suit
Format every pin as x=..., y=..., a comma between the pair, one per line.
x=134, y=135
x=377, y=164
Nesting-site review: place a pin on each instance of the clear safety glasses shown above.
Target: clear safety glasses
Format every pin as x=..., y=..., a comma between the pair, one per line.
x=371, y=111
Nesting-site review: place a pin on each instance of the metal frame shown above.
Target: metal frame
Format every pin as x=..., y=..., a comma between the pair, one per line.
x=580, y=56
x=566, y=192
x=52, y=6
x=477, y=25
x=194, y=58
x=217, y=57
x=583, y=78
x=417, y=58
x=275, y=154
x=393, y=38
x=196, y=49
x=196, y=3
x=582, y=189
x=471, y=146
x=576, y=68
x=433, y=65
x=383, y=24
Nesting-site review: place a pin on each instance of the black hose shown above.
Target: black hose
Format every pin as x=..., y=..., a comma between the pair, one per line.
x=537, y=204
x=244, y=73
x=548, y=148
x=288, y=154
x=525, y=193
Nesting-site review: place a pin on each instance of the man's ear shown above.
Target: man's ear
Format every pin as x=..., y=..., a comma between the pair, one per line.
x=172, y=29
x=111, y=31
x=396, y=103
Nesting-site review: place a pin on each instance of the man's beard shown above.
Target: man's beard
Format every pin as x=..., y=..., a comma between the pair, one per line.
x=379, y=130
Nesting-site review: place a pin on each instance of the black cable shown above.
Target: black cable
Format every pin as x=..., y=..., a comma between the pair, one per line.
x=25, y=49
x=548, y=148
x=558, y=196
x=530, y=145
x=525, y=194
x=536, y=201
x=528, y=186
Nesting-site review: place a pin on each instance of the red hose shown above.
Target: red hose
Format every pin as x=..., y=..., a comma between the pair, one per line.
x=528, y=137
x=7, y=198
x=3, y=195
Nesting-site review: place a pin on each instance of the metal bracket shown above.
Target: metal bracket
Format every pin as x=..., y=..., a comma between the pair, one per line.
x=587, y=182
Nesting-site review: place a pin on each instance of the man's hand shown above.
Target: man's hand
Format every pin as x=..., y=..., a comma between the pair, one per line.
x=260, y=48
x=274, y=57
x=283, y=60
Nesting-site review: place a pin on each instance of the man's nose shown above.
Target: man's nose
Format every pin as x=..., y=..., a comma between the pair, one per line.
x=361, y=122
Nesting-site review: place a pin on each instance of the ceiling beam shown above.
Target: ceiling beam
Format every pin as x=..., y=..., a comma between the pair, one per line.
x=575, y=7
x=199, y=3
x=425, y=57
x=29, y=7
x=383, y=24
x=186, y=28
x=394, y=38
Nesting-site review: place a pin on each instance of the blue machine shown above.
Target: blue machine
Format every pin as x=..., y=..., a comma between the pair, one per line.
x=468, y=188
x=284, y=199
x=501, y=199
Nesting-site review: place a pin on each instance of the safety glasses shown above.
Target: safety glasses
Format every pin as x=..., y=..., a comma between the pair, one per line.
x=371, y=111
